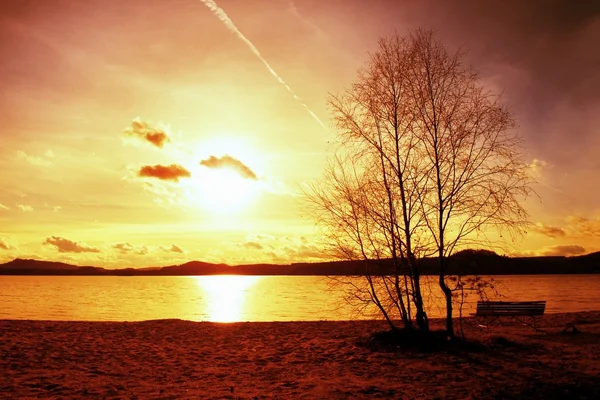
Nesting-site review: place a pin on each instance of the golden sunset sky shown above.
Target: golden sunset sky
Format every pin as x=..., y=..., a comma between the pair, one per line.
x=149, y=132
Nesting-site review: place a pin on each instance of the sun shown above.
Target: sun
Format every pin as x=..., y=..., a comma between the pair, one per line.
x=223, y=187
x=225, y=191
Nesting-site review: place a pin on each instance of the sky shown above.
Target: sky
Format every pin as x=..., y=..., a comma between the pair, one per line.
x=148, y=133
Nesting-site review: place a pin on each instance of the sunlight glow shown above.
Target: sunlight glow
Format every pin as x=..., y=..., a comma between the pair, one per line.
x=225, y=191
x=225, y=296
x=222, y=190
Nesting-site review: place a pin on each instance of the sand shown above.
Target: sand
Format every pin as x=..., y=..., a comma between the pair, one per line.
x=173, y=359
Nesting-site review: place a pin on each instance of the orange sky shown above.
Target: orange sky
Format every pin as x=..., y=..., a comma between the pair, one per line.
x=147, y=133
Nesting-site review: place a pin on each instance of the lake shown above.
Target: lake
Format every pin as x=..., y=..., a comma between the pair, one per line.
x=226, y=298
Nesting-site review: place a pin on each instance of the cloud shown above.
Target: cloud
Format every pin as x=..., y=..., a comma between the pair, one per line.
x=4, y=245
x=563, y=250
x=35, y=160
x=252, y=245
x=284, y=249
x=142, y=130
x=537, y=166
x=165, y=195
x=3, y=207
x=231, y=163
x=575, y=227
x=128, y=248
x=583, y=227
x=172, y=249
x=25, y=207
x=305, y=251
x=175, y=249
x=164, y=172
x=68, y=246
x=550, y=231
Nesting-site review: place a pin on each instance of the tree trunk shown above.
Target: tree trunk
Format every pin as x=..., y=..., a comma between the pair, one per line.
x=422, y=321
x=448, y=295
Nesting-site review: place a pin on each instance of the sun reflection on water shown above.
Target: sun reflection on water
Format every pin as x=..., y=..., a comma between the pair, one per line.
x=225, y=296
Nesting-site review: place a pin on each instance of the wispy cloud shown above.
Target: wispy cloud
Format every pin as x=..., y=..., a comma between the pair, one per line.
x=142, y=130
x=218, y=11
x=231, y=163
x=3, y=207
x=284, y=249
x=68, y=246
x=38, y=161
x=578, y=226
x=171, y=172
x=536, y=167
x=550, y=231
x=25, y=207
x=128, y=248
x=294, y=10
x=540, y=171
x=4, y=245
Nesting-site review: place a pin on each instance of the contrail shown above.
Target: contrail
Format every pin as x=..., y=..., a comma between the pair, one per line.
x=229, y=23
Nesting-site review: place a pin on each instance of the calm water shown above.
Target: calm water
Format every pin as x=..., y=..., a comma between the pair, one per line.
x=241, y=298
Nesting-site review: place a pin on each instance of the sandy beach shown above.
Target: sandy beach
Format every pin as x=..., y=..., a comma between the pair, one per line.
x=172, y=359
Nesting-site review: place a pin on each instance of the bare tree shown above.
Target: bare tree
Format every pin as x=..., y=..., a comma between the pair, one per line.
x=478, y=175
x=368, y=201
x=427, y=159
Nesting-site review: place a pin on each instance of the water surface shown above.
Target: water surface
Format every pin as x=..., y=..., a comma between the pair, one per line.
x=243, y=298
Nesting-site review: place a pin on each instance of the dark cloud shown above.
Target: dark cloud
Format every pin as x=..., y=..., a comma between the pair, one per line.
x=550, y=231
x=128, y=248
x=68, y=246
x=542, y=55
x=142, y=130
x=563, y=250
x=231, y=163
x=164, y=172
x=552, y=42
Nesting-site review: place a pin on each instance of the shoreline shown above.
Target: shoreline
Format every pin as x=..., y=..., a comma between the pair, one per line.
x=374, y=322
x=172, y=359
x=435, y=320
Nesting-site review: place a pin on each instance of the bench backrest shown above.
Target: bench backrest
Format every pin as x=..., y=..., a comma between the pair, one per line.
x=511, y=307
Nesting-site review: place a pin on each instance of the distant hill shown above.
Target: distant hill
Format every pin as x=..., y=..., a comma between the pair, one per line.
x=19, y=263
x=467, y=262
x=20, y=266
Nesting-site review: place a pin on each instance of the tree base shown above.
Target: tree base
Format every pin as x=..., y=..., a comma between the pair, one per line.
x=414, y=340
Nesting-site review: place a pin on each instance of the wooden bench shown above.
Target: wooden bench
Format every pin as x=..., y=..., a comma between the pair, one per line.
x=497, y=309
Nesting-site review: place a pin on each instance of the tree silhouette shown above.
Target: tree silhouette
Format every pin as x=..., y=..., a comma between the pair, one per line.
x=427, y=162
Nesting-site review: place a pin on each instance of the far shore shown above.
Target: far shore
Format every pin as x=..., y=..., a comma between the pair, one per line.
x=172, y=359
x=477, y=262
